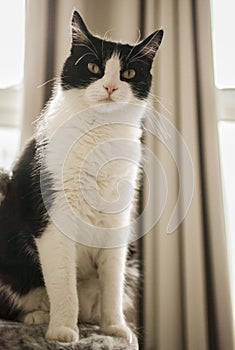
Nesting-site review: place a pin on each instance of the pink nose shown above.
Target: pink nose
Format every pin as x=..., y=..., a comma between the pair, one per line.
x=110, y=89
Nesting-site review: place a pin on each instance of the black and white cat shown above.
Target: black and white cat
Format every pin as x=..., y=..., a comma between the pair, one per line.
x=45, y=276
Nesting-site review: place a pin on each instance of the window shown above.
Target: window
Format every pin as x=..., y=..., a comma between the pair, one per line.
x=12, y=34
x=223, y=29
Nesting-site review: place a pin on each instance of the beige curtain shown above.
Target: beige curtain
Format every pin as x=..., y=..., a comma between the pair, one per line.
x=36, y=27
x=186, y=296
x=187, y=272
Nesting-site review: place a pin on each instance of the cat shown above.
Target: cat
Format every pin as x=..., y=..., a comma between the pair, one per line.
x=45, y=276
x=4, y=180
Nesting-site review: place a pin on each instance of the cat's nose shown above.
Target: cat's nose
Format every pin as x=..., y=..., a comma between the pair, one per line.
x=110, y=89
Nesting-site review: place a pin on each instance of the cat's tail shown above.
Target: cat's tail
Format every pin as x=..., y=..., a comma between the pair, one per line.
x=4, y=181
x=132, y=284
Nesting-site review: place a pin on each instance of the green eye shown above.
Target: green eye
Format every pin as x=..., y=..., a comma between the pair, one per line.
x=129, y=74
x=93, y=68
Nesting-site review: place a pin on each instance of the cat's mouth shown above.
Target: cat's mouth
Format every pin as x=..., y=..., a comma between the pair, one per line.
x=107, y=99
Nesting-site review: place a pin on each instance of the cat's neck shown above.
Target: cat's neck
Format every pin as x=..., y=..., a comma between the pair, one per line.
x=70, y=105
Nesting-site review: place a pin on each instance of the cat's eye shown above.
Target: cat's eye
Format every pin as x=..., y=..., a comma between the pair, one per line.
x=129, y=74
x=93, y=68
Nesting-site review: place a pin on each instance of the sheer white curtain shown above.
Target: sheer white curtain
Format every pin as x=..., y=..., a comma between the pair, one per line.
x=186, y=287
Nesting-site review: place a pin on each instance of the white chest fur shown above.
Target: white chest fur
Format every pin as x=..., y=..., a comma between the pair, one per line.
x=94, y=160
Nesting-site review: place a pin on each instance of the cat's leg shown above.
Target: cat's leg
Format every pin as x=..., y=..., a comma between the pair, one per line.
x=35, y=307
x=111, y=267
x=89, y=300
x=57, y=255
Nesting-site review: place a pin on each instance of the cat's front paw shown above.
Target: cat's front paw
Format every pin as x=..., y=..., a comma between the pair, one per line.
x=118, y=330
x=35, y=317
x=63, y=334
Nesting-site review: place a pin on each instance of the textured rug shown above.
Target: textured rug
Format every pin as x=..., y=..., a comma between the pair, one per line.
x=17, y=336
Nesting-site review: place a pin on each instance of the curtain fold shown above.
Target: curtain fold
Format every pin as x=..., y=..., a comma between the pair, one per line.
x=186, y=274
x=219, y=298
x=36, y=63
x=186, y=301
x=163, y=309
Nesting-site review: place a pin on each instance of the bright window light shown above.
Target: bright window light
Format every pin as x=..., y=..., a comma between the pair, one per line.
x=227, y=145
x=12, y=24
x=223, y=28
x=9, y=146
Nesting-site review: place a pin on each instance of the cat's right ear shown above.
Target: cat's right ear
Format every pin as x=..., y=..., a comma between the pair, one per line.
x=80, y=33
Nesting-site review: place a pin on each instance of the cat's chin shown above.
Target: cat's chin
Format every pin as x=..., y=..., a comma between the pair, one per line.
x=108, y=107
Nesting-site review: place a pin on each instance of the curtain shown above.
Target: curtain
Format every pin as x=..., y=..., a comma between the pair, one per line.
x=36, y=27
x=187, y=272
x=186, y=302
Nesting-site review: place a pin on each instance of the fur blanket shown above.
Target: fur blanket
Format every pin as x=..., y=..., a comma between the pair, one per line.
x=17, y=336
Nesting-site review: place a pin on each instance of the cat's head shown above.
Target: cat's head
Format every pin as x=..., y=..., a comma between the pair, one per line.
x=109, y=72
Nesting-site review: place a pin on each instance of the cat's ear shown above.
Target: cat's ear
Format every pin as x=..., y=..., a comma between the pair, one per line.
x=150, y=45
x=80, y=33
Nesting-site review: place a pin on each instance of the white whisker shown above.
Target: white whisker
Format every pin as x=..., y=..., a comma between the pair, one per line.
x=134, y=46
x=80, y=58
x=145, y=53
x=48, y=81
x=93, y=47
x=157, y=99
x=138, y=60
x=91, y=50
x=155, y=125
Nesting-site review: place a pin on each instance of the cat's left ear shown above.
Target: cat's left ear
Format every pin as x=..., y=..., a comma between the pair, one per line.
x=150, y=45
x=80, y=33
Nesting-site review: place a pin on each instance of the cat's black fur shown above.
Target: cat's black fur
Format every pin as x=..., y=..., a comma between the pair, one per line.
x=78, y=76
x=4, y=180
x=23, y=216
